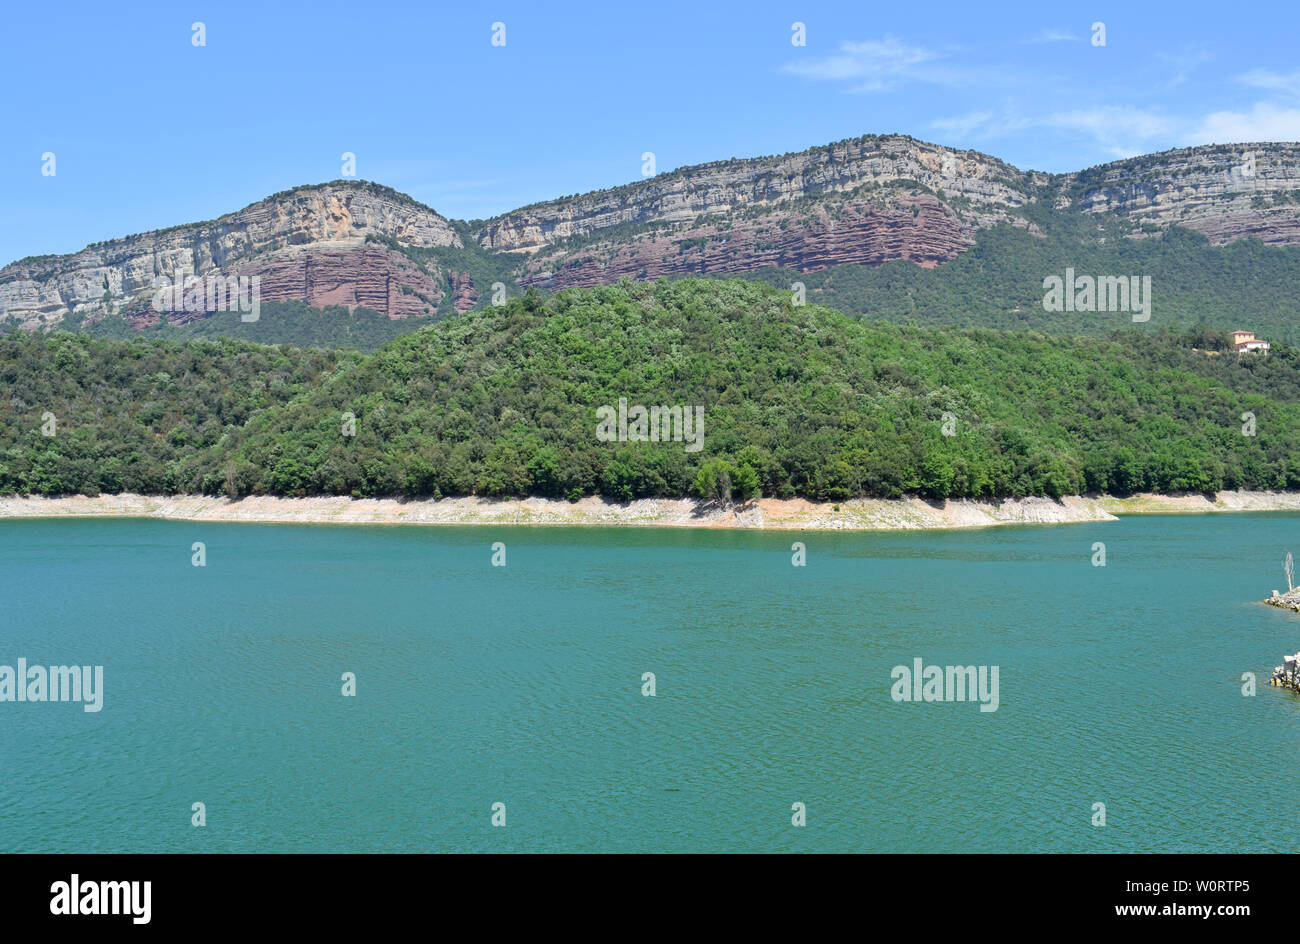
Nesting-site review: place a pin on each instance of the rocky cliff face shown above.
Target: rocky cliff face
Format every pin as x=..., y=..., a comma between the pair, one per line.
x=864, y=201
x=688, y=195
x=907, y=225
x=1226, y=192
x=116, y=275
x=326, y=274
x=868, y=200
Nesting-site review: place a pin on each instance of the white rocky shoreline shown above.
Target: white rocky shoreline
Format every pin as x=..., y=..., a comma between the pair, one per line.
x=763, y=514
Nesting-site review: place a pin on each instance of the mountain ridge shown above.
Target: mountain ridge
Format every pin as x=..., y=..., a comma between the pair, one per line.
x=860, y=202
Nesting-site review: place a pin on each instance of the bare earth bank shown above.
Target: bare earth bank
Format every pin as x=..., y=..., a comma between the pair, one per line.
x=767, y=513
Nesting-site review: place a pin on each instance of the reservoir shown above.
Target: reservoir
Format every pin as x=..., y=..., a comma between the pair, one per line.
x=515, y=693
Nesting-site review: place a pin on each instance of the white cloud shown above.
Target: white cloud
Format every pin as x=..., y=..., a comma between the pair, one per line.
x=1124, y=131
x=1287, y=83
x=1184, y=64
x=1052, y=36
x=1262, y=123
x=875, y=65
x=981, y=124
x=1121, y=130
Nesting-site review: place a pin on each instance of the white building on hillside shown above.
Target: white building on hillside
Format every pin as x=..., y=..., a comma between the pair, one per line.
x=1245, y=342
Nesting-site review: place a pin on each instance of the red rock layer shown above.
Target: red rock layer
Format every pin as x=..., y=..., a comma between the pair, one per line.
x=916, y=227
x=367, y=276
x=1273, y=227
x=463, y=295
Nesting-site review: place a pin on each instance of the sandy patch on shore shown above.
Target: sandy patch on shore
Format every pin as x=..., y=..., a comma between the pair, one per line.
x=1195, y=504
x=767, y=513
x=871, y=514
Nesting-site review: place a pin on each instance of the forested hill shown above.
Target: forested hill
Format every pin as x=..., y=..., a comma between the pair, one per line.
x=795, y=400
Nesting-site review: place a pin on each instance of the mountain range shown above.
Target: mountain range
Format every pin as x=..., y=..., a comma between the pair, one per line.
x=884, y=226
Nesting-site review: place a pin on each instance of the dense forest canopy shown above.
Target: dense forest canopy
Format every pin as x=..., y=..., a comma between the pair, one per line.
x=280, y=322
x=796, y=401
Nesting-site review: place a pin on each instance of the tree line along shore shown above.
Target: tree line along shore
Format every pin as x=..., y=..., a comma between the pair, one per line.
x=796, y=402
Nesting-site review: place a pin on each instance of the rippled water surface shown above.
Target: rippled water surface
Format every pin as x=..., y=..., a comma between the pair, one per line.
x=522, y=685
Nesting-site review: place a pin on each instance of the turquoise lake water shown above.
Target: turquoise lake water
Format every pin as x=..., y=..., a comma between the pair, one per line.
x=523, y=685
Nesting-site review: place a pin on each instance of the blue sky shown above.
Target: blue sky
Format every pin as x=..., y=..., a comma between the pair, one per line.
x=149, y=130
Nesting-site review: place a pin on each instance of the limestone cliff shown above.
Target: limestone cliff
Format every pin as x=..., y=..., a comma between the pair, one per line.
x=864, y=201
x=1226, y=192
x=689, y=194
x=281, y=236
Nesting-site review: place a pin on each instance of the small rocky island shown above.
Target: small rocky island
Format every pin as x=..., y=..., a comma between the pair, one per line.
x=1287, y=601
x=1287, y=675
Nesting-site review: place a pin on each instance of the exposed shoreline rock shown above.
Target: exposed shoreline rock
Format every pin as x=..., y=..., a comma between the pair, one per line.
x=1287, y=675
x=764, y=514
x=1286, y=601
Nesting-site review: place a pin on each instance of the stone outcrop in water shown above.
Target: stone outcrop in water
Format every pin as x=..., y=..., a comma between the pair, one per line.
x=1287, y=601
x=1287, y=675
